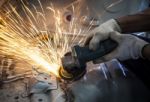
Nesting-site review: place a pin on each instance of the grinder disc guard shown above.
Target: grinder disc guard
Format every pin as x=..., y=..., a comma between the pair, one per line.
x=71, y=76
x=70, y=69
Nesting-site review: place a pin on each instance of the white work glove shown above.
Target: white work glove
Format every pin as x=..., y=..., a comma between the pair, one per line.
x=101, y=32
x=129, y=47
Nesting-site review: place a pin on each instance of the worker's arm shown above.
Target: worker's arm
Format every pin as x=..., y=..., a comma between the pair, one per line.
x=139, y=22
x=146, y=51
x=132, y=23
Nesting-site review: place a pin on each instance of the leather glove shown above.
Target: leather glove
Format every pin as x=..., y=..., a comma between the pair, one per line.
x=129, y=47
x=100, y=33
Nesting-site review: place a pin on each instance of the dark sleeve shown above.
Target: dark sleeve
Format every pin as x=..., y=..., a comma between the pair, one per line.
x=140, y=67
x=139, y=22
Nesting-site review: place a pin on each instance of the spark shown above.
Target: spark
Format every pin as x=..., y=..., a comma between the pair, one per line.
x=22, y=39
x=21, y=36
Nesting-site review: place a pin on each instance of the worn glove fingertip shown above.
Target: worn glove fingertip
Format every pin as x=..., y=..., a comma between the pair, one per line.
x=87, y=40
x=92, y=46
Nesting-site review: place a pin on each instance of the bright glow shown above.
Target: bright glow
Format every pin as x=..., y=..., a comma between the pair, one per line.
x=22, y=39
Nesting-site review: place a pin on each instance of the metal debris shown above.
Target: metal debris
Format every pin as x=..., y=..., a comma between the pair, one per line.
x=68, y=94
x=40, y=90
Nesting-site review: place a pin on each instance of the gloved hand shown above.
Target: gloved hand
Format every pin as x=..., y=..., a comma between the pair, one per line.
x=130, y=47
x=100, y=33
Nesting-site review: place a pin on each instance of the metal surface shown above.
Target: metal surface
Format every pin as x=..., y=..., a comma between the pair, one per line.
x=48, y=79
x=41, y=86
x=45, y=88
x=18, y=80
x=103, y=82
x=109, y=82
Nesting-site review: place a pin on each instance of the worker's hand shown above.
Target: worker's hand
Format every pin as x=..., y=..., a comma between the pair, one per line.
x=129, y=47
x=100, y=33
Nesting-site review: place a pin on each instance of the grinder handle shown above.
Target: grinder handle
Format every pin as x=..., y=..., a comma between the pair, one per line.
x=84, y=54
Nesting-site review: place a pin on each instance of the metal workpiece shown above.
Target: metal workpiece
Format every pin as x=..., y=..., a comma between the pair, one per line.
x=109, y=82
x=106, y=82
x=45, y=88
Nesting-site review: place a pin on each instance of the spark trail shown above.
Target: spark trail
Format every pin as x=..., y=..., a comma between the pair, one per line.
x=18, y=38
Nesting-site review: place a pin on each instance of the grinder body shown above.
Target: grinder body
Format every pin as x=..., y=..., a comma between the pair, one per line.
x=74, y=62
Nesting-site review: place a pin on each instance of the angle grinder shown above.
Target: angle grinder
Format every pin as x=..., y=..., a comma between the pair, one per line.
x=74, y=62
